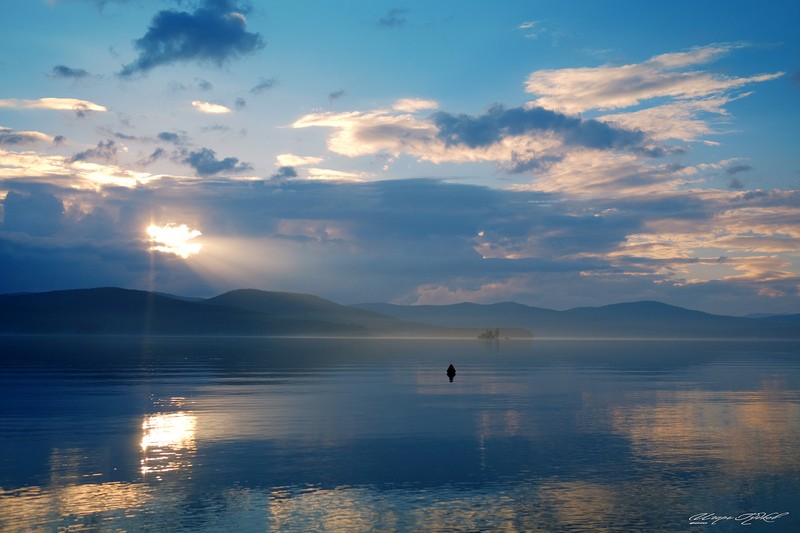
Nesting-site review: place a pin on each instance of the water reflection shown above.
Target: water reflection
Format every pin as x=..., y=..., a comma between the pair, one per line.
x=168, y=442
x=316, y=509
x=527, y=441
x=746, y=431
x=94, y=506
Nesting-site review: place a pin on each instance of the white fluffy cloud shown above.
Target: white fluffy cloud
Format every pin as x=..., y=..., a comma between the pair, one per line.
x=10, y=137
x=210, y=108
x=412, y=105
x=292, y=160
x=58, y=104
x=573, y=90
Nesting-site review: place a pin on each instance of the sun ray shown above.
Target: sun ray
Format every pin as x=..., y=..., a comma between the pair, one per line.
x=174, y=239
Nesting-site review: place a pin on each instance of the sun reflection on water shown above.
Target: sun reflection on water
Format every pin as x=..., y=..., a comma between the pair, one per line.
x=746, y=431
x=168, y=442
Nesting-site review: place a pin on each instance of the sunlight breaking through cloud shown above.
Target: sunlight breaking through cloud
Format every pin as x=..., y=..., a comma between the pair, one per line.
x=174, y=239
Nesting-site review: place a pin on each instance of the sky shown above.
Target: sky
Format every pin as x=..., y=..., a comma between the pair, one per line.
x=554, y=153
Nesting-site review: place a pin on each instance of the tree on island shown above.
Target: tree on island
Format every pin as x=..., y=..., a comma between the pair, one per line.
x=489, y=334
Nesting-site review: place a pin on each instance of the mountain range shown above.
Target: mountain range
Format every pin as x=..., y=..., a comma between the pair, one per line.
x=645, y=319
x=254, y=312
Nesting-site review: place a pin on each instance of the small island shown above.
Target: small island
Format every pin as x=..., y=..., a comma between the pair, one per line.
x=490, y=334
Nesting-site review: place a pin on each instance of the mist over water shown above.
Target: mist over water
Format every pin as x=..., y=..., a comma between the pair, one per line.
x=254, y=434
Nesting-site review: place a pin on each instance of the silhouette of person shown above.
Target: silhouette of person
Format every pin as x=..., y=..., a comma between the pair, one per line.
x=451, y=372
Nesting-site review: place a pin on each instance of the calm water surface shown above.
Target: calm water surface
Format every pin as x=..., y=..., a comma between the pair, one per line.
x=242, y=434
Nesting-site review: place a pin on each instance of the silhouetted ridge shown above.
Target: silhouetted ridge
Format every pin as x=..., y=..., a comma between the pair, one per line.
x=124, y=311
x=255, y=312
x=286, y=304
x=645, y=319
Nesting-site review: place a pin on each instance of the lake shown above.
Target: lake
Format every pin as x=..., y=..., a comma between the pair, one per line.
x=266, y=434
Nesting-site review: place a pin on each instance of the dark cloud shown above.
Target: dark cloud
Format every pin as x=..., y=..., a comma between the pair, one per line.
x=35, y=213
x=99, y=243
x=216, y=127
x=336, y=95
x=81, y=110
x=264, y=85
x=736, y=184
x=735, y=169
x=59, y=139
x=175, y=86
x=367, y=241
x=521, y=163
x=171, y=137
x=240, y=104
x=394, y=18
x=157, y=154
x=105, y=151
x=499, y=122
x=204, y=85
x=213, y=33
x=284, y=173
x=125, y=136
x=65, y=72
x=205, y=163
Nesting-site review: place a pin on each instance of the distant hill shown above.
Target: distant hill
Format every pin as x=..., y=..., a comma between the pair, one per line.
x=239, y=312
x=122, y=311
x=645, y=319
x=256, y=312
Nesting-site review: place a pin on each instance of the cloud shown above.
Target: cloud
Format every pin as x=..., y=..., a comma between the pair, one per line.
x=205, y=163
x=685, y=120
x=210, y=108
x=499, y=122
x=58, y=104
x=284, y=173
x=291, y=160
x=602, y=174
x=104, y=151
x=65, y=72
x=737, y=168
x=736, y=184
x=532, y=28
x=394, y=18
x=174, y=239
x=172, y=137
x=204, y=85
x=174, y=87
x=37, y=212
x=517, y=139
x=9, y=137
x=573, y=90
x=213, y=33
x=341, y=176
x=675, y=99
x=263, y=85
x=157, y=154
x=336, y=95
x=435, y=240
x=240, y=104
x=412, y=105
x=373, y=132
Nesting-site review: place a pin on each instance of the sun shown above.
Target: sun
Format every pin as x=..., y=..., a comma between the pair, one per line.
x=174, y=239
